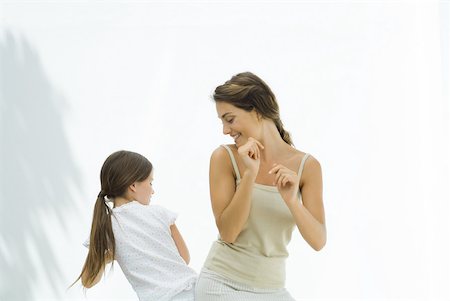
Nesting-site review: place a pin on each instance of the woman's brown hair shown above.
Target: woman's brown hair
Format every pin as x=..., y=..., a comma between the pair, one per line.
x=248, y=92
x=120, y=170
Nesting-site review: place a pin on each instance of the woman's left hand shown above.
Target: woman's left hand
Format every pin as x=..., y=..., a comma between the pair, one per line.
x=287, y=182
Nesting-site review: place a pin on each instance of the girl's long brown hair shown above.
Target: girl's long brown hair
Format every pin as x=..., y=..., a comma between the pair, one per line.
x=247, y=91
x=119, y=171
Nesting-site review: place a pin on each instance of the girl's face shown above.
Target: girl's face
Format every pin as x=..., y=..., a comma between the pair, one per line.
x=238, y=123
x=142, y=191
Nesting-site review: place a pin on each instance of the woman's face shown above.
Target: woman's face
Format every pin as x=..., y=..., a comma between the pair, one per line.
x=238, y=123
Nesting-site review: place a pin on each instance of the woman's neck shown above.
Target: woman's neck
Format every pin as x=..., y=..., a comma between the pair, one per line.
x=274, y=145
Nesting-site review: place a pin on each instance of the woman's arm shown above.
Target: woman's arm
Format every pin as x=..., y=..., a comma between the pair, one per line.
x=230, y=204
x=179, y=242
x=310, y=214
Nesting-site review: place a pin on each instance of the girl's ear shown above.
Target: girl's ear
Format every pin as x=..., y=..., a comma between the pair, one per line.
x=132, y=187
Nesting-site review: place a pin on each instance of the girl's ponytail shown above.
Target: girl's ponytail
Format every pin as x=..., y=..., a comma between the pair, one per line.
x=101, y=242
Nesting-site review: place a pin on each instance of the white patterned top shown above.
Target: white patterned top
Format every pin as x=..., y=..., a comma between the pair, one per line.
x=146, y=251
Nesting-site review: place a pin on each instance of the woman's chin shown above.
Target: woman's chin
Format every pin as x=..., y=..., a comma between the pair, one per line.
x=238, y=141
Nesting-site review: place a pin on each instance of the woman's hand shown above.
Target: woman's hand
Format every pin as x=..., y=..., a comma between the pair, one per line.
x=287, y=182
x=250, y=154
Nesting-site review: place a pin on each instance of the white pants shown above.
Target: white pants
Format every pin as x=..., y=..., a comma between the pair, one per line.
x=186, y=295
x=214, y=287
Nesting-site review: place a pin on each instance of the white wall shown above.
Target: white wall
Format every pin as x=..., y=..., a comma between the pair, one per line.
x=362, y=85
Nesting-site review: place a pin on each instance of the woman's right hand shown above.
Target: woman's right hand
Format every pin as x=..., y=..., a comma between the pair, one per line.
x=250, y=154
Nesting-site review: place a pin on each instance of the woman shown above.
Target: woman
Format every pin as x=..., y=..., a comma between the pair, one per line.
x=261, y=188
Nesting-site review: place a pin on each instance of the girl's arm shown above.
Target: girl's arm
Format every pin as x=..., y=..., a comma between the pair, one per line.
x=84, y=281
x=179, y=242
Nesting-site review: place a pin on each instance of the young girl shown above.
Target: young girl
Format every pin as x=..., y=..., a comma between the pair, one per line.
x=142, y=238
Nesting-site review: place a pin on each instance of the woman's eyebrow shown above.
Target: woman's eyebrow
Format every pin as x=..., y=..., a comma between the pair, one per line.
x=224, y=115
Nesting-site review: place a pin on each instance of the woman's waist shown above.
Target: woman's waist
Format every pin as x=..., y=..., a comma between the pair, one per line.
x=247, y=265
x=261, y=242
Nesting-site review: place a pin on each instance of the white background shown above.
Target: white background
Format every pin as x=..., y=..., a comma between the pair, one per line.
x=362, y=85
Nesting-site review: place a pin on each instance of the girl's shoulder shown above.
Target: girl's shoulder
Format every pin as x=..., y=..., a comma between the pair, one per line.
x=157, y=208
x=168, y=216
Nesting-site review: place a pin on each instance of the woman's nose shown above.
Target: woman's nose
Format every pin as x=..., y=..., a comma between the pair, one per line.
x=226, y=129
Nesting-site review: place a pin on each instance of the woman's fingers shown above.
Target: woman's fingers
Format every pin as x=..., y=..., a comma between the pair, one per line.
x=256, y=146
x=280, y=174
x=279, y=168
x=256, y=141
x=275, y=168
x=283, y=175
x=259, y=144
x=253, y=149
x=280, y=180
x=284, y=180
x=254, y=152
x=277, y=176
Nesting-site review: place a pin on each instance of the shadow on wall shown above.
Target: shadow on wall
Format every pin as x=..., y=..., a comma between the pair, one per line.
x=37, y=172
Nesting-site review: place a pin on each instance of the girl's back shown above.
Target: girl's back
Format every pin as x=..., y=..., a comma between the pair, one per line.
x=142, y=234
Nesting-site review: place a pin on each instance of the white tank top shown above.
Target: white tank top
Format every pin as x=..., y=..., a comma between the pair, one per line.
x=257, y=257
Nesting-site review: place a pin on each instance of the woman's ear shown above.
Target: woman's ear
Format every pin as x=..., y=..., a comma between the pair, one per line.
x=259, y=117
